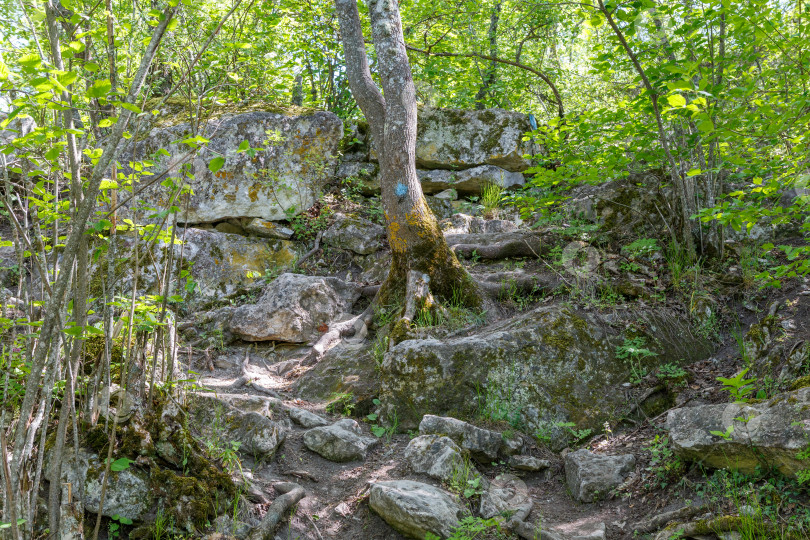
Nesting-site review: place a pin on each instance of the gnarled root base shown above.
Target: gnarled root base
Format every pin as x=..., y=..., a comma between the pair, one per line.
x=292, y=494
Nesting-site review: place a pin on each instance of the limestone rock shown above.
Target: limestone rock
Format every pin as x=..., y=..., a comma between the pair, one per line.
x=459, y=224
x=481, y=443
x=282, y=178
x=528, y=463
x=214, y=418
x=355, y=234
x=294, y=308
x=590, y=476
x=775, y=432
x=468, y=181
x=454, y=138
x=268, y=229
x=506, y=494
x=441, y=208
x=127, y=494
x=415, y=509
x=434, y=455
x=342, y=441
x=306, y=419
x=561, y=361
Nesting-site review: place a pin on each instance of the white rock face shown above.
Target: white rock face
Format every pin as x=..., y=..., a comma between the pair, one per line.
x=461, y=139
x=415, y=509
x=294, y=308
x=342, y=441
x=469, y=181
x=283, y=178
x=355, y=234
x=591, y=476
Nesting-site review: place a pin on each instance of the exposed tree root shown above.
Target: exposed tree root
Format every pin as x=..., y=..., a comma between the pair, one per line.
x=245, y=380
x=501, y=283
x=292, y=494
x=311, y=252
x=356, y=327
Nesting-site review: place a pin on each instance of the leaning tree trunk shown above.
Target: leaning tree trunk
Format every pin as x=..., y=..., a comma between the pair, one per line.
x=417, y=242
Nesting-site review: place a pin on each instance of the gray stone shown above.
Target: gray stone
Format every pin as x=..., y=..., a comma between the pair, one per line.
x=282, y=178
x=216, y=419
x=294, y=308
x=447, y=194
x=306, y=419
x=507, y=494
x=415, y=509
x=268, y=229
x=775, y=431
x=483, y=444
x=355, y=234
x=468, y=181
x=590, y=476
x=441, y=208
x=127, y=493
x=528, y=463
x=434, y=455
x=342, y=441
x=461, y=224
x=551, y=364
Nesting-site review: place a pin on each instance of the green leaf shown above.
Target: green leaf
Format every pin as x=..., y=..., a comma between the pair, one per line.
x=92, y=67
x=30, y=61
x=99, y=89
x=693, y=172
x=216, y=164
x=107, y=122
x=243, y=147
x=676, y=100
x=4, y=72
x=120, y=464
x=7, y=525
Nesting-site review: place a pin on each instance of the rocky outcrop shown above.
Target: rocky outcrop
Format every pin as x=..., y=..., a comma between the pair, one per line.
x=294, y=308
x=552, y=364
x=342, y=441
x=281, y=177
x=415, y=509
x=469, y=181
x=743, y=436
x=591, y=477
x=461, y=139
x=355, y=234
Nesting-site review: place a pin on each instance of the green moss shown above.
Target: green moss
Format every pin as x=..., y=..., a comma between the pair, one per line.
x=801, y=382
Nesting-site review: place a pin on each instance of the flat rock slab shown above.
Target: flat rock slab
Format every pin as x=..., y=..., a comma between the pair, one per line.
x=591, y=476
x=341, y=442
x=483, y=444
x=415, y=509
x=528, y=463
x=775, y=431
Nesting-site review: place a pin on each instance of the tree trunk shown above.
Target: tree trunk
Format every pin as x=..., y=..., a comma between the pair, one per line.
x=417, y=242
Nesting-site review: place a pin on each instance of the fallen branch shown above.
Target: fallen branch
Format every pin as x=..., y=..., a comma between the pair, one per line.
x=311, y=252
x=292, y=494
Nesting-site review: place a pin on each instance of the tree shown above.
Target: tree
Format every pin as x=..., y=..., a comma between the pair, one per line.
x=417, y=242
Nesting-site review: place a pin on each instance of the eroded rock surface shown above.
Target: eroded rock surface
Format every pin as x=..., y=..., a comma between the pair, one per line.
x=434, y=455
x=591, y=476
x=415, y=509
x=342, y=441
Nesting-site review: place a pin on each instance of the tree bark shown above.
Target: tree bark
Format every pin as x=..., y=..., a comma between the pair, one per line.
x=417, y=242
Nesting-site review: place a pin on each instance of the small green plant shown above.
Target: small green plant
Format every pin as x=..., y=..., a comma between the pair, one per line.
x=633, y=351
x=491, y=196
x=465, y=480
x=579, y=435
x=643, y=247
x=114, y=528
x=383, y=431
x=671, y=372
x=727, y=434
x=341, y=403
x=738, y=386
x=379, y=348
x=473, y=528
x=664, y=464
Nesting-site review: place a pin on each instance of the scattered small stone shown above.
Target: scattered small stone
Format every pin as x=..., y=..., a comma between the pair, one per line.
x=528, y=463
x=788, y=324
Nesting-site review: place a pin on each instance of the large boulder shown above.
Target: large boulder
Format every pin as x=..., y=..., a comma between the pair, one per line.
x=342, y=441
x=415, y=509
x=552, y=364
x=461, y=139
x=591, y=477
x=215, y=419
x=769, y=433
x=284, y=177
x=294, y=308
